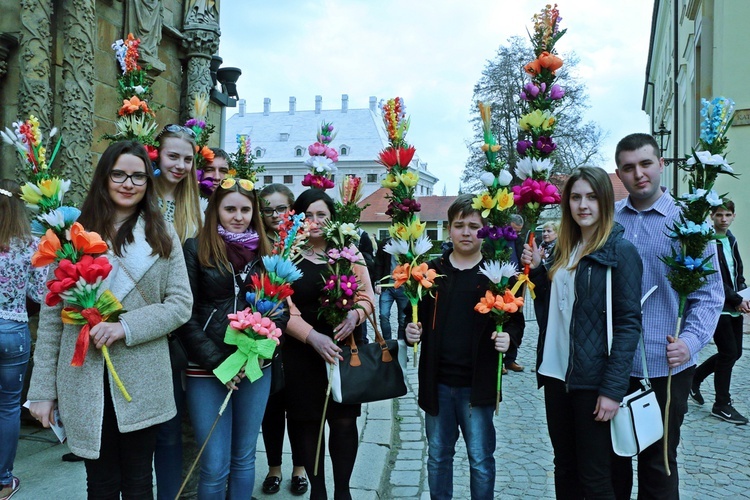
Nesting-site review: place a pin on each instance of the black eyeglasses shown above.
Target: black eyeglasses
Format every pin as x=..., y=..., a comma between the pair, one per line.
x=119, y=177
x=176, y=129
x=270, y=211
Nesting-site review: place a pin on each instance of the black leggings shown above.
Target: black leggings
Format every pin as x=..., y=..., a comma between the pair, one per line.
x=342, y=446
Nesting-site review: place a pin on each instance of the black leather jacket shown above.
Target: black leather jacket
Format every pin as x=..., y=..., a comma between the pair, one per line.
x=589, y=367
x=732, y=299
x=216, y=293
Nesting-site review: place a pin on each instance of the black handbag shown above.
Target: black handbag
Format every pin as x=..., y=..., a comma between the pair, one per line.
x=369, y=372
x=177, y=353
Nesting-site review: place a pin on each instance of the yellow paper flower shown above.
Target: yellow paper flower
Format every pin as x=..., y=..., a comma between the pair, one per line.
x=391, y=181
x=30, y=194
x=409, y=179
x=49, y=187
x=504, y=199
x=416, y=228
x=484, y=202
x=399, y=231
x=200, y=106
x=536, y=119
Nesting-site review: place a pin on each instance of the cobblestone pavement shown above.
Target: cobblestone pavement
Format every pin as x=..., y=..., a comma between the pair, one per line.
x=714, y=456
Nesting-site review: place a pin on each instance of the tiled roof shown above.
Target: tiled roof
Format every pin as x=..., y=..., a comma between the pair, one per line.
x=620, y=191
x=434, y=208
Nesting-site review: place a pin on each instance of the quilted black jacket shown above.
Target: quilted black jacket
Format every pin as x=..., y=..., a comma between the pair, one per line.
x=589, y=367
x=214, y=297
x=479, y=328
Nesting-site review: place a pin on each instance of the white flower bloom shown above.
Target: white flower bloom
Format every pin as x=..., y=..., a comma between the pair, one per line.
x=396, y=247
x=139, y=89
x=422, y=245
x=496, y=270
x=53, y=132
x=524, y=168
x=348, y=229
x=707, y=158
x=714, y=199
x=544, y=165
x=505, y=178
x=320, y=164
x=487, y=178
x=54, y=219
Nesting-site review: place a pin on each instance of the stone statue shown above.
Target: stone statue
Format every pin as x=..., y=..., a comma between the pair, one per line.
x=143, y=18
x=202, y=12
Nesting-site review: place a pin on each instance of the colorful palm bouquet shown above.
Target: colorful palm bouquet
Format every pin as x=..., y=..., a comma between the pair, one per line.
x=323, y=158
x=203, y=130
x=409, y=243
x=688, y=267
x=137, y=118
x=80, y=273
x=45, y=189
x=242, y=162
x=253, y=330
x=539, y=98
x=495, y=204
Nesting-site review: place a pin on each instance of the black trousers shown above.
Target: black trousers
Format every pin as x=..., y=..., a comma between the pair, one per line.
x=728, y=339
x=274, y=425
x=582, y=446
x=653, y=482
x=124, y=463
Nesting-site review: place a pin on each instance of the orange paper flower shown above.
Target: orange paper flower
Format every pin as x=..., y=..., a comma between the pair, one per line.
x=533, y=68
x=130, y=106
x=207, y=154
x=510, y=303
x=49, y=245
x=424, y=275
x=86, y=242
x=486, y=303
x=550, y=61
x=401, y=275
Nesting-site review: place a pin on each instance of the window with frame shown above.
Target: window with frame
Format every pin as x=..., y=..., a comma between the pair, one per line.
x=372, y=178
x=383, y=234
x=258, y=153
x=432, y=234
x=344, y=150
x=268, y=179
x=288, y=179
x=298, y=152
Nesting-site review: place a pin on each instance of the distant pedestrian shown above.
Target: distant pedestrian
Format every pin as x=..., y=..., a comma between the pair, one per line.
x=728, y=334
x=20, y=280
x=459, y=359
x=516, y=247
x=385, y=263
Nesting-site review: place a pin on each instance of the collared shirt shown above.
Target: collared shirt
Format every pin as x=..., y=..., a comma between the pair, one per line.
x=648, y=230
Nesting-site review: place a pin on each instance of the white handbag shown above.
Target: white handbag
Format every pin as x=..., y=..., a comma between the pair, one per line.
x=638, y=423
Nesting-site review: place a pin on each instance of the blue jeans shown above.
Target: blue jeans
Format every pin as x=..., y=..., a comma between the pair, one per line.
x=230, y=453
x=455, y=411
x=388, y=296
x=168, y=455
x=15, y=345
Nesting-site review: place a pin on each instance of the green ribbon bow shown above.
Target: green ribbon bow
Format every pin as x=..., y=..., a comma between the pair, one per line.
x=250, y=347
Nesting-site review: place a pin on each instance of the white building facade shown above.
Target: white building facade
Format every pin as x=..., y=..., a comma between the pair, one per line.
x=279, y=142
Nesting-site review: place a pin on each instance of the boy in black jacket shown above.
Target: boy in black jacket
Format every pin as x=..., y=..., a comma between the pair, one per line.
x=728, y=334
x=459, y=359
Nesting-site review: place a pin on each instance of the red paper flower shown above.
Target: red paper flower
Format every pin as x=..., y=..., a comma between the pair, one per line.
x=391, y=157
x=91, y=268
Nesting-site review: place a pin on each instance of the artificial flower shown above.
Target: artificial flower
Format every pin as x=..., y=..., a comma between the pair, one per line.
x=706, y=158
x=47, y=250
x=504, y=178
x=390, y=157
x=86, y=242
x=348, y=284
x=504, y=199
x=510, y=303
x=487, y=178
x=424, y=275
x=422, y=245
x=410, y=179
x=484, y=202
x=391, y=181
x=401, y=274
x=498, y=271
x=486, y=303
x=550, y=61
x=396, y=246
x=556, y=92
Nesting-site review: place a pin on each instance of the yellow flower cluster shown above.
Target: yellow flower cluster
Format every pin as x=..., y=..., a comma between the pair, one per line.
x=404, y=232
x=503, y=200
x=537, y=119
x=392, y=180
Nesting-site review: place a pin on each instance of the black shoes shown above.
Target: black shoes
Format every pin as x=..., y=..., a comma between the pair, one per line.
x=271, y=485
x=729, y=414
x=299, y=485
x=695, y=393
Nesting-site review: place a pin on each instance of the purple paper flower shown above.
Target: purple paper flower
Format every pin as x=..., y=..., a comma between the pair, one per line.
x=545, y=145
x=531, y=90
x=522, y=146
x=330, y=283
x=556, y=92
x=348, y=284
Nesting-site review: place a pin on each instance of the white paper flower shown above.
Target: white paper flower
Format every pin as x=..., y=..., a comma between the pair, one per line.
x=504, y=178
x=320, y=164
x=707, y=158
x=396, y=247
x=712, y=197
x=422, y=245
x=544, y=165
x=496, y=270
x=524, y=168
x=348, y=229
x=487, y=178
x=54, y=219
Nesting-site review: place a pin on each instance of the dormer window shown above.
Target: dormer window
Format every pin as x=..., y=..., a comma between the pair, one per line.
x=299, y=151
x=258, y=153
x=344, y=150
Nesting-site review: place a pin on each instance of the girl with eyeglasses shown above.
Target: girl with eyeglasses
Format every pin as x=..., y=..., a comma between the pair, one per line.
x=116, y=437
x=276, y=200
x=177, y=187
x=20, y=280
x=221, y=263
x=310, y=347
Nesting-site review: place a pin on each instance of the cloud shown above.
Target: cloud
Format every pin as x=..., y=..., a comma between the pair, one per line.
x=431, y=53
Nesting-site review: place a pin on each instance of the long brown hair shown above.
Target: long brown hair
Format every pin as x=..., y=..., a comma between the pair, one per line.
x=212, y=251
x=13, y=220
x=187, y=207
x=569, y=234
x=98, y=210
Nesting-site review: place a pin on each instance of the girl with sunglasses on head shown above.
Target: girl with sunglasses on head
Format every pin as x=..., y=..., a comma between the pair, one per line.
x=116, y=437
x=221, y=263
x=310, y=347
x=276, y=200
x=20, y=280
x=177, y=187
x=583, y=381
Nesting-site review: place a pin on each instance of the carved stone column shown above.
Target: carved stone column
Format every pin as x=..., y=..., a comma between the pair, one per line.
x=34, y=57
x=77, y=104
x=201, y=41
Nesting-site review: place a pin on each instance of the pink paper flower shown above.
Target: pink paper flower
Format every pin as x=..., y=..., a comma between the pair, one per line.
x=535, y=191
x=316, y=149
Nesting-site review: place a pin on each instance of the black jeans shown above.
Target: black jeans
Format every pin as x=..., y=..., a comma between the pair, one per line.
x=274, y=425
x=728, y=339
x=653, y=482
x=582, y=446
x=124, y=463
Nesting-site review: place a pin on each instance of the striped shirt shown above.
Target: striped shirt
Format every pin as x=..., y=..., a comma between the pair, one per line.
x=648, y=231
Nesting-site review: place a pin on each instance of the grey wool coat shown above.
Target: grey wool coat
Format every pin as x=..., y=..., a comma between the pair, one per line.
x=160, y=303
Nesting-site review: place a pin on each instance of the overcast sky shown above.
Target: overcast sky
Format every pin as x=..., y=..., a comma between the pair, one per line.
x=431, y=53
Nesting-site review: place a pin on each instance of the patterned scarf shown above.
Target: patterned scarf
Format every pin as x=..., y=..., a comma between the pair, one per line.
x=241, y=247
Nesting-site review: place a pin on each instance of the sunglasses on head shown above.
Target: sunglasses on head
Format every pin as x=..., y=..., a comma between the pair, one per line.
x=229, y=182
x=176, y=129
